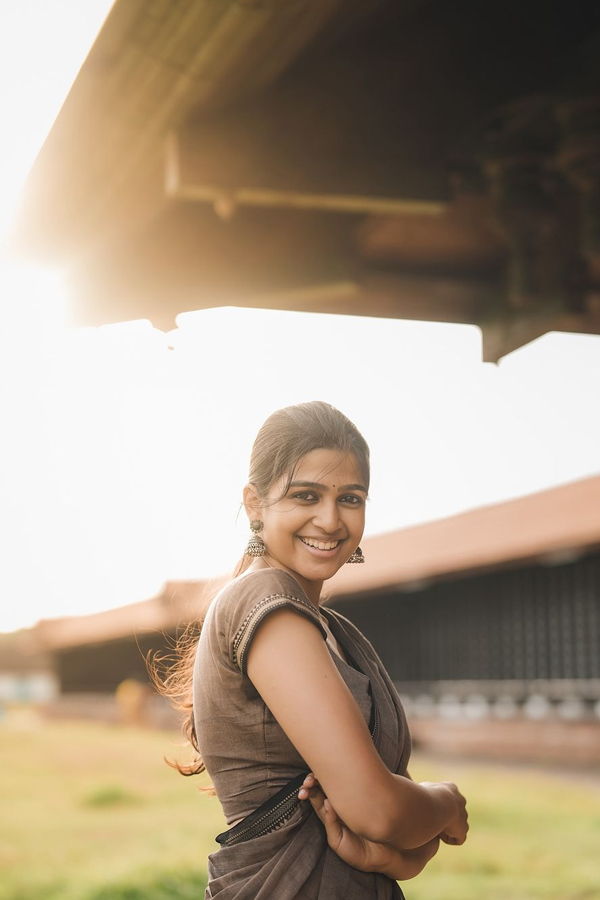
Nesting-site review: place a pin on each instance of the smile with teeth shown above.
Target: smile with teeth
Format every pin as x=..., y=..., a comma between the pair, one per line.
x=320, y=545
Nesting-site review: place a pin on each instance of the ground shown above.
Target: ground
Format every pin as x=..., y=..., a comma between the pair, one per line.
x=91, y=812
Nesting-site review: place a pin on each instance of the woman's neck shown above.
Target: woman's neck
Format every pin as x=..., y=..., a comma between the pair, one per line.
x=312, y=589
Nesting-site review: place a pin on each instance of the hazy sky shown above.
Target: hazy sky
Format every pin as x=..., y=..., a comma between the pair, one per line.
x=125, y=450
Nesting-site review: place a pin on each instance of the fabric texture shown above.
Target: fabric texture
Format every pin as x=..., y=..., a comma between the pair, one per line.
x=255, y=769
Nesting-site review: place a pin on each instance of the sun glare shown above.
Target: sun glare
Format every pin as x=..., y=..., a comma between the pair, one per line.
x=42, y=47
x=32, y=301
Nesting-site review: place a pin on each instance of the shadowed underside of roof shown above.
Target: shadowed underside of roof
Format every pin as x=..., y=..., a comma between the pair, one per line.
x=411, y=159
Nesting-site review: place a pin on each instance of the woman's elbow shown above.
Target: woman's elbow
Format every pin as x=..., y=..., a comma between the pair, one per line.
x=375, y=820
x=386, y=819
x=375, y=828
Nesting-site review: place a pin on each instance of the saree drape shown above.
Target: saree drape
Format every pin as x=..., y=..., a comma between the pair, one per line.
x=279, y=851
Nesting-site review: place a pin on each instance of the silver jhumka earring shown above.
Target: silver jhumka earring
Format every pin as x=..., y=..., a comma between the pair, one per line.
x=256, y=545
x=357, y=557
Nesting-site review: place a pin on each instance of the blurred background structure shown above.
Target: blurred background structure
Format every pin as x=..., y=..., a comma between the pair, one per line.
x=488, y=622
x=401, y=158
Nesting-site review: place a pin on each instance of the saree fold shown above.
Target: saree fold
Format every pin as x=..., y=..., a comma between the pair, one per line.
x=291, y=860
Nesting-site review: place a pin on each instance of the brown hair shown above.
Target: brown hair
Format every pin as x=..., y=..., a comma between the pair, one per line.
x=284, y=439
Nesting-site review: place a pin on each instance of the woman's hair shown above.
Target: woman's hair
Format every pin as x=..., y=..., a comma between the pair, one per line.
x=284, y=439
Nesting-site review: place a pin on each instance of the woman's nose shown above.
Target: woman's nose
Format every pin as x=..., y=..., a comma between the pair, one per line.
x=327, y=517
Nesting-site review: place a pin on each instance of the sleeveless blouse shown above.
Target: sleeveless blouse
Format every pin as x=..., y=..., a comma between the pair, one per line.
x=279, y=850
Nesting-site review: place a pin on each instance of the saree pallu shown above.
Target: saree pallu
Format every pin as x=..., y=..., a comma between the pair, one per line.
x=280, y=851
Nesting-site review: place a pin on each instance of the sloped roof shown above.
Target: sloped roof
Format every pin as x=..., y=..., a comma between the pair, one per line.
x=179, y=603
x=552, y=525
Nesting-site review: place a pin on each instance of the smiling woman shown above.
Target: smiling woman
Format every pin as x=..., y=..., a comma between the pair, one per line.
x=311, y=528
x=291, y=711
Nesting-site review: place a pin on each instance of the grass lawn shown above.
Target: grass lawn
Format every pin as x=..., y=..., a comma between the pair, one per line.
x=91, y=812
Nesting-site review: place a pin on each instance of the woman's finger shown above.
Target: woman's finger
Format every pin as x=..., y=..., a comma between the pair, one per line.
x=448, y=839
x=312, y=792
x=334, y=828
x=328, y=816
x=308, y=784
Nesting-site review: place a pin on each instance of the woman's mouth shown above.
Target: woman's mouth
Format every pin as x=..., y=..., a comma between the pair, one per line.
x=321, y=548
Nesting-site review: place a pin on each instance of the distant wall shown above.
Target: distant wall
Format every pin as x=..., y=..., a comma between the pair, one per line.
x=499, y=664
x=101, y=667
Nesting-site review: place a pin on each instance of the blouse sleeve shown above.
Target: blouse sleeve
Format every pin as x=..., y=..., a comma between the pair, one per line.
x=252, y=599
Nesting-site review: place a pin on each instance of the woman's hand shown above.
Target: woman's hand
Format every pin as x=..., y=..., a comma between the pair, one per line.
x=455, y=832
x=362, y=854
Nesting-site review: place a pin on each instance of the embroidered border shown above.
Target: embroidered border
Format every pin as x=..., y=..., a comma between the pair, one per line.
x=244, y=634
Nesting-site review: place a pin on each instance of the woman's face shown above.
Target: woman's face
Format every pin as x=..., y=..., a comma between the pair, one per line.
x=318, y=524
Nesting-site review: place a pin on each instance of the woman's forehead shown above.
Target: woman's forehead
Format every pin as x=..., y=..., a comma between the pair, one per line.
x=328, y=466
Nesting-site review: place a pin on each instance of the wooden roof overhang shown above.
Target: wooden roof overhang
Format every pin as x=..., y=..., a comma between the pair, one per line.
x=401, y=158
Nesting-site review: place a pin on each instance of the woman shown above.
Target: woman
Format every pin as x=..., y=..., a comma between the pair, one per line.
x=293, y=714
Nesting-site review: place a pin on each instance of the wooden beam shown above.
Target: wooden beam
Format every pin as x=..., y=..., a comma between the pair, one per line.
x=230, y=189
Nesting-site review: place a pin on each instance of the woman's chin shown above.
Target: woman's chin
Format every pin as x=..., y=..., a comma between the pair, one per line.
x=319, y=568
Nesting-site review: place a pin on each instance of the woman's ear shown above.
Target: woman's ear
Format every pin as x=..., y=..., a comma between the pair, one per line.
x=251, y=502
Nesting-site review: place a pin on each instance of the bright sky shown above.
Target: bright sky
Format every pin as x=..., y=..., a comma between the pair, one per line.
x=123, y=460
x=124, y=450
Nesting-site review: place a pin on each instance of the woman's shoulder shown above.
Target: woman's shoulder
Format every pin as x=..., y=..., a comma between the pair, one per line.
x=245, y=602
x=253, y=591
x=258, y=584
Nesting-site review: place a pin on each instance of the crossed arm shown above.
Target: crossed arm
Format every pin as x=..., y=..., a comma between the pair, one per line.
x=383, y=821
x=368, y=856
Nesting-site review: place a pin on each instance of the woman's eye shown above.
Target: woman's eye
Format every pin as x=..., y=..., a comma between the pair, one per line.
x=305, y=495
x=352, y=499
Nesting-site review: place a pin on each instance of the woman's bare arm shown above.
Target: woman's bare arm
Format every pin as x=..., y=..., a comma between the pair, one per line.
x=365, y=855
x=290, y=666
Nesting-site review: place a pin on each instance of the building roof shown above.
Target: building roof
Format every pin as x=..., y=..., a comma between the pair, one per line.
x=179, y=603
x=550, y=526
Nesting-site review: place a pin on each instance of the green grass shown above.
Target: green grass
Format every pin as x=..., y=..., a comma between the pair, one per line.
x=534, y=835
x=111, y=795
x=91, y=812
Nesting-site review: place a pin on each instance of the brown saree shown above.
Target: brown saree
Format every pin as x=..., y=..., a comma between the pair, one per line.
x=279, y=850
